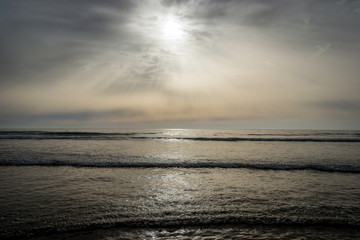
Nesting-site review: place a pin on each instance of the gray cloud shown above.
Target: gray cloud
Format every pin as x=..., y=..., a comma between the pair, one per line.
x=70, y=117
x=108, y=53
x=305, y=22
x=171, y=3
x=340, y=105
x=47, y=38
x=91, y=115
x=147, y=75
x=38, y=37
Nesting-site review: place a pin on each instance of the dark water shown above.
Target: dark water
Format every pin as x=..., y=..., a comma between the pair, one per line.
x=180, y=184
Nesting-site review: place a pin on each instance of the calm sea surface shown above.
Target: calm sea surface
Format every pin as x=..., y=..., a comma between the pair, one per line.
x=179, y=184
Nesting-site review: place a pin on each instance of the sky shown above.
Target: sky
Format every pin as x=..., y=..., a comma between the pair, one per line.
x=180, y=64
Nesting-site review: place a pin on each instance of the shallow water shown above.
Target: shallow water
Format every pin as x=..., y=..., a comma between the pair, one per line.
x=162, y=184
x=238, y=231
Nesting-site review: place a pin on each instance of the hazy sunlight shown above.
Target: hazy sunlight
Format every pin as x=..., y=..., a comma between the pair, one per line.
x=172, y=29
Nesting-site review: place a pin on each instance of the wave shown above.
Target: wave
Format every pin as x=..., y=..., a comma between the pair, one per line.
x=48, y=135
x=160, y=135
x=236, y=139
x=130, y=136
x=175, y=222
x=275, y=167
x=70, y=133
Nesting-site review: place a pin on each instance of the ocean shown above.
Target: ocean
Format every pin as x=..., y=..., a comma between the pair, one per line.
x=179, y=184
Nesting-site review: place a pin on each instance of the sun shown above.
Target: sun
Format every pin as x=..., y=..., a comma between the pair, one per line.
x=172, y=29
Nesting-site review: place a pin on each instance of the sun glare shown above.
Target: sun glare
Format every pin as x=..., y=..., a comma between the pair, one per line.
x=172, y=29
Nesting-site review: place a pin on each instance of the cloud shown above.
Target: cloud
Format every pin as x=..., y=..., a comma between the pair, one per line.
x=92, y=117
x=169, y=3
x=282, y=20
x=41, y=39
x=340, y=105
x=147, y=74
x=322, y=49
x=238, y=59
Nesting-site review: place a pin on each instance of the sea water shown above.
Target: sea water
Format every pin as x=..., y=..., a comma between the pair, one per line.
x=179, y=184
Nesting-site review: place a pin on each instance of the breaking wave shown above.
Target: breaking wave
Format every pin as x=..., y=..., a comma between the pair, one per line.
x=78, y=135
x=123, y=221
x=100, y=164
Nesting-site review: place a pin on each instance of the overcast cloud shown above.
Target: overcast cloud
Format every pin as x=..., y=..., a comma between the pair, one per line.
x=180, y=63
